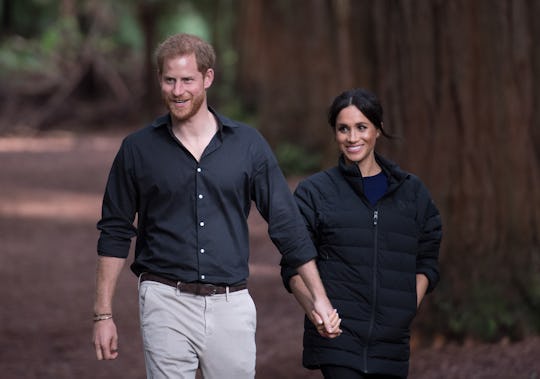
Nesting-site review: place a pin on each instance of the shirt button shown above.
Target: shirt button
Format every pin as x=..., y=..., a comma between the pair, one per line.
x=203, y=276
x=201, y=223
x=202, y=251
x=199, y=169
x=200, y=196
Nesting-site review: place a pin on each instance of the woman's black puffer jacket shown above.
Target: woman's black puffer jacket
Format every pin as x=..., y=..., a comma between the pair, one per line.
x=368, y=258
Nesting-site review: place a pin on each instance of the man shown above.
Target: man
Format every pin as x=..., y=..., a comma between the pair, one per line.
x=190, y=178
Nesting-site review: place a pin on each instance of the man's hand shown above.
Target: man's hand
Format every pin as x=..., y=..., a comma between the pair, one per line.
x=330, y=329
x=335, y=322
x=311, y=290
x=105, y=339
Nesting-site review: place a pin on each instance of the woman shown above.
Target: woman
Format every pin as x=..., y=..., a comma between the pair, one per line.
x=378, y=234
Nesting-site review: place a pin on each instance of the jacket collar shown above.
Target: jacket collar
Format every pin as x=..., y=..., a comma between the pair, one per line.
x=353, y=176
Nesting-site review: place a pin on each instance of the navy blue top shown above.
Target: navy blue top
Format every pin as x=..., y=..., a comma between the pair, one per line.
x=192, y=216
x=375, y=187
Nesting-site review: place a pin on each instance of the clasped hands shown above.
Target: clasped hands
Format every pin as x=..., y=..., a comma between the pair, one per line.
x=330, y=328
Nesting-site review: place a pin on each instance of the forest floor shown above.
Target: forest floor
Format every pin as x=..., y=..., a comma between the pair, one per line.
x=51, y=189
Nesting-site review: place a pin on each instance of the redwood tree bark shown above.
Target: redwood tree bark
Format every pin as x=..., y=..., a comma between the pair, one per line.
x=461, y=90
x=458, y=81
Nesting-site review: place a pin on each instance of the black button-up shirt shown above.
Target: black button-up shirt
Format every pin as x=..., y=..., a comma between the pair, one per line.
x=192, y=216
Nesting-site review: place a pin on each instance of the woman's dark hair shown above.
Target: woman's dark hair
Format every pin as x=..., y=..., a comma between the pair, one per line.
x=362, y=99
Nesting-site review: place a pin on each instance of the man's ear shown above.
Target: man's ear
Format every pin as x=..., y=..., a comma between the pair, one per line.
x=208, y=78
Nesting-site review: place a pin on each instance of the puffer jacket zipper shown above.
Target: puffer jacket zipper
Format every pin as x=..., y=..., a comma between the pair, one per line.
x=374, y=288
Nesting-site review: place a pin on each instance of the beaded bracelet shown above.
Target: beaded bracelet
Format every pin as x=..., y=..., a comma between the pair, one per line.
x=102, y=316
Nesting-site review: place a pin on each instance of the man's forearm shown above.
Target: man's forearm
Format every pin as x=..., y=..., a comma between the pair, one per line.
x=107, y=272
x=310, y=274
x=321, y=304
x=310, y=293
x=301, y=293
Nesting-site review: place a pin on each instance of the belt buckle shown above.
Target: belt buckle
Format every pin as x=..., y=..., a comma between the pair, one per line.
x=212, y=289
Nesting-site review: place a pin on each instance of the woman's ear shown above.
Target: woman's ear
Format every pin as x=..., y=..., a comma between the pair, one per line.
x=379, y=129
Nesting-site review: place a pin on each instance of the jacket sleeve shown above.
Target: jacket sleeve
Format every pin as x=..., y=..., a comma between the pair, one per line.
x=119, y=208
x=427, y=261
x=304, y=201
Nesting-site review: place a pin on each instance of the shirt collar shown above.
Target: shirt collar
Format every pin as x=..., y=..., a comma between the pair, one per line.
x=222, y=121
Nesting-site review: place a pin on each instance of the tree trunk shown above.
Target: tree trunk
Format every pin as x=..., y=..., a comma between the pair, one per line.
x=148, y=13
x=461, y=91
x=458, y=81
x=287, y=59
x=6, y=26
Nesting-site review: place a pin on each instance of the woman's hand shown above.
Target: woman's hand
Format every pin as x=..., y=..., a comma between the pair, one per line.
x=334, y=320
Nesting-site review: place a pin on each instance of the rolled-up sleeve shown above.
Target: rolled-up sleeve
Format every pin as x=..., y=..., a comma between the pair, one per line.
x=119, y=207
x=275, y=202
x=304, y=202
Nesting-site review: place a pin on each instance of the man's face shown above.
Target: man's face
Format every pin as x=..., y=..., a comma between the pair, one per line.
x=183, y=87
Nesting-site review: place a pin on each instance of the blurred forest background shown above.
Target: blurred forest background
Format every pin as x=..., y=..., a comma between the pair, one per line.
x=459, y=81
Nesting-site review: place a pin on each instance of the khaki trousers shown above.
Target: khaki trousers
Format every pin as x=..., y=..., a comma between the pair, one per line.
x=182, y=332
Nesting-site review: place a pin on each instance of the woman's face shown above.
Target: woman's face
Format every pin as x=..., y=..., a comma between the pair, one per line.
x=355, y=135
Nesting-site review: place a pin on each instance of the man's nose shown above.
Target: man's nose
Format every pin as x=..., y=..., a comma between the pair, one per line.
x=178, y=88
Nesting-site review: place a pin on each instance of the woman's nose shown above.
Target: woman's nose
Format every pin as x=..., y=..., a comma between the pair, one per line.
x=353, y=135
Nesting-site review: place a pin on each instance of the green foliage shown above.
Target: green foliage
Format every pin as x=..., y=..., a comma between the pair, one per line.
x=31, y=17
x=43, y=54
x=57, y=44
x=531, y=292
x=20, y=54
x=487, y=313
x=184, y=18
x=295, y=160
x=128, y=33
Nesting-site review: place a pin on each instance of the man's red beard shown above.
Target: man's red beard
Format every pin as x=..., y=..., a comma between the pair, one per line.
x=186, y=112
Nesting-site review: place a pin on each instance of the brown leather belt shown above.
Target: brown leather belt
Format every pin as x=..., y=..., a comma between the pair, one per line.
x=201, y=289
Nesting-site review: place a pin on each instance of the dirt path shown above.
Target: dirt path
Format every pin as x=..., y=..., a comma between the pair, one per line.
x=50, y=196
